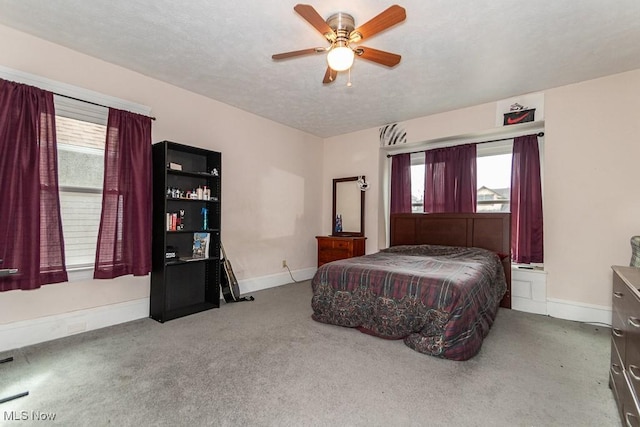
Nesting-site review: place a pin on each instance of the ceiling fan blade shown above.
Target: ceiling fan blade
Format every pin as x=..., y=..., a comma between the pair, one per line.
x=291, y=54
x=330, y=75
x=314, y=18
x=384, y=20
x=380, y=56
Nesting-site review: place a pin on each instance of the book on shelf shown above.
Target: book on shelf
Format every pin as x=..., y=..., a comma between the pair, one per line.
x=175, y=220
x=200, y=245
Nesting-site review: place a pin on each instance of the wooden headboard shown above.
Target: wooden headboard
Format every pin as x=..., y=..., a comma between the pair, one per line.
x=490, y=231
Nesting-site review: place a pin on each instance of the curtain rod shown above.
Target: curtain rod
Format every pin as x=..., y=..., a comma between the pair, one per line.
x=539, y=134
x=91, y=102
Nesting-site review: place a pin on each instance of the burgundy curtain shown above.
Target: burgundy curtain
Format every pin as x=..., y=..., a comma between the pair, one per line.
x=124, y=237
x=450, y=179
x=401, y=183
x=526, y=201
x=30, y=224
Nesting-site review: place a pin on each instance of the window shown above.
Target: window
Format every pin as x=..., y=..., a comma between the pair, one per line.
x=493, y=178
x=81, y=134
x=417, y=182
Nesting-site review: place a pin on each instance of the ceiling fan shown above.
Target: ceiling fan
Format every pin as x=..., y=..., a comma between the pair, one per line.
x=340, y=31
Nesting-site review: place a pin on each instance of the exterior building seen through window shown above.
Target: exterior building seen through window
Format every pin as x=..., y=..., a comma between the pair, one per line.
x=80, y=176
x=493, y=180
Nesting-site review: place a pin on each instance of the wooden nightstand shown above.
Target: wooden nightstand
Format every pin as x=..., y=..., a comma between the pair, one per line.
x=332, y=248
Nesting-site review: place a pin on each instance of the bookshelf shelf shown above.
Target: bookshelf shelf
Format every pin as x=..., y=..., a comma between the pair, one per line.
x=183, y=283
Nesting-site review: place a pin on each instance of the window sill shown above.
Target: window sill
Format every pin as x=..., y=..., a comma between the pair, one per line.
x=532, y=268
x=80, y=272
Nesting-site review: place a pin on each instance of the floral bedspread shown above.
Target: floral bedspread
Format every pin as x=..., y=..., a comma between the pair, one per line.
x=441, y=300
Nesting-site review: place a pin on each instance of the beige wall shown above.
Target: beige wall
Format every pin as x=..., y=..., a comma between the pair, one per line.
x=591, y=198
x=353, y=155
x=591, y=194
x=272, y=180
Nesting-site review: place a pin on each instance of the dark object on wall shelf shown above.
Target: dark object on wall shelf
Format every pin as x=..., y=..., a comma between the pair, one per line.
x=184, y=284
x=171, y=253
x=522, y=116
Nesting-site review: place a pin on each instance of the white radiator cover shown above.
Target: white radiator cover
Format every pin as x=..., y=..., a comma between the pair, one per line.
x=529, y=290
x=529, y=293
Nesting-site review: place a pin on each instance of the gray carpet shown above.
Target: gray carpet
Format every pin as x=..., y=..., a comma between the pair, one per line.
x=267, y=363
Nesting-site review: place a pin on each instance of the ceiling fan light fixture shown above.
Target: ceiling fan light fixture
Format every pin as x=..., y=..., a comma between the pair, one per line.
x=340, y=31
x=340, y=58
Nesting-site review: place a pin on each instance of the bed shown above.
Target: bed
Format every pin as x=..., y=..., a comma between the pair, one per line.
x=438, y=286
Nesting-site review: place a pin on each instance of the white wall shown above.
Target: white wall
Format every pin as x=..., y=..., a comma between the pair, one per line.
x=591, y=195
x=271, y=183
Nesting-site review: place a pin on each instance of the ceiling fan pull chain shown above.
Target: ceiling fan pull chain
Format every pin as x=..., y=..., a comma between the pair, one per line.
x=349, y=81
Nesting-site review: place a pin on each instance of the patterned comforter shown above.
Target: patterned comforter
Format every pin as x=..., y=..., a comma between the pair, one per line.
x=441, y=300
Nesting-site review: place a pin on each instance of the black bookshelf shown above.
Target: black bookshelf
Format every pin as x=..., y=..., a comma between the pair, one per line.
x=184, y=278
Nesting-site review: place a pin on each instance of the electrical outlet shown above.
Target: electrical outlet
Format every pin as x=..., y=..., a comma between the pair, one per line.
x=284, y=263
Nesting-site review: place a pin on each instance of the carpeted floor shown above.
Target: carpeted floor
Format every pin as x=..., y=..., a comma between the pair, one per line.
x=267, y=363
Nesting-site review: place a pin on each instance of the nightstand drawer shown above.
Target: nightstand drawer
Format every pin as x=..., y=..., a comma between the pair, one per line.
x=342, y=244
x=333, y=248
x=329, y=244
x=328, y=256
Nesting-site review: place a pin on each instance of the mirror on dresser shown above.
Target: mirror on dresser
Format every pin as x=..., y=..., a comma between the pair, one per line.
x=348, y=207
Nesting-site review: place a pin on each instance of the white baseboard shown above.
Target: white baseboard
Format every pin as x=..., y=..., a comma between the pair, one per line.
x=528, y=305
x=580, y=312
x=567, y=310
x=28, y=332
x=34, y=331
x=265, y=282
x=529, y=293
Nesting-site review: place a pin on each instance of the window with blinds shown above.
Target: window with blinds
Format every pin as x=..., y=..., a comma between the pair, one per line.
x=81, y=121
x=81, y=134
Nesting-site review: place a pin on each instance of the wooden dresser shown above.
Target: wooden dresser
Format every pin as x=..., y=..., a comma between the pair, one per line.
x=333, y=248
x=624, y=373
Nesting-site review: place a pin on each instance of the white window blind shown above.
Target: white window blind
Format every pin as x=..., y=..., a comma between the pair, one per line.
x=81, y=133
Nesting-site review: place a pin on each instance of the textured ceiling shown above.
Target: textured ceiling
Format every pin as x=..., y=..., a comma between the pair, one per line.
x=455, y=53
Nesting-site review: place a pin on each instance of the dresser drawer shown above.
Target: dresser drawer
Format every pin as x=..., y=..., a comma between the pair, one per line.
x=333, y=248
x=625, y=343
x=332, y=255
x=329, y=244
x=632, y=345
x=618, y=332
x=631, y=412
x=624, y=300
x=618, y=382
